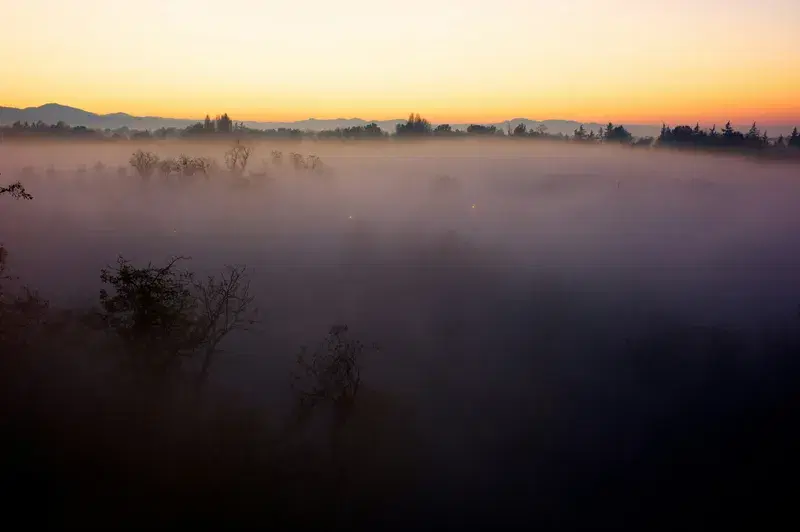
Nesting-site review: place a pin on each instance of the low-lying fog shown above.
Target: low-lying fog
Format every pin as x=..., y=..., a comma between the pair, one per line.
x=516, y=305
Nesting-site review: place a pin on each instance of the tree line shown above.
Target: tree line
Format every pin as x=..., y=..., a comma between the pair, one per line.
x=728, y=138
x=680, y=136
x=40, y=128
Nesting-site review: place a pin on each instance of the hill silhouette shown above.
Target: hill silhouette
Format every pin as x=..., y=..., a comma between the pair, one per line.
x=52, y=113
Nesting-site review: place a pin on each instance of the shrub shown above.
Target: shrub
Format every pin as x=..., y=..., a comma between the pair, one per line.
x=330, y=375
x=16, y=191
x=204, y=165
x=151, y=309
x=298, y=161
x=163, y=315
x=18, y=312
x=236, y=158
x=315, y=163
x=226, y=305
x=189, y=166
x=167, y=166
x=144, y=163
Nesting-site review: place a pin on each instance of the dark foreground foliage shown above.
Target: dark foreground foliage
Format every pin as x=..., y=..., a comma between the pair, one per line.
x=16, y=191
x=644, y=423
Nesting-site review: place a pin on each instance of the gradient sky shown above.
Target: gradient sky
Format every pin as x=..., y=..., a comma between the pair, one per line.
x=634, y=61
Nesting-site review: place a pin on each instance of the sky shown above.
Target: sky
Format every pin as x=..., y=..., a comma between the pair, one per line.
x=629, y=61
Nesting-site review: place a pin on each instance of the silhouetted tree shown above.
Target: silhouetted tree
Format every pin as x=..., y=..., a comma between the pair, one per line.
x=731, y=137
x=713, y=135
x=728, y=139
x=167, y=166
x=164, y=315
x=753, y=138
x=224, y=124
x=330, y=375
x=521, y=130
x=226, y=305
x=371, y=130
x=38, y=129
x=684, y=134
x=443, y=130
x=415, y=126
x=151, y=309
x=794, y=139
x=145, y=163
x=478, y=129
x=617, y=134
x=236, y=158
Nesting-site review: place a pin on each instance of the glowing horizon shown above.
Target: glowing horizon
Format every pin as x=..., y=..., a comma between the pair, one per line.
x=456, y=61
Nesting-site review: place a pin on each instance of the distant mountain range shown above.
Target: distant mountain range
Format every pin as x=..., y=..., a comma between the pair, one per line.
x=52, y=113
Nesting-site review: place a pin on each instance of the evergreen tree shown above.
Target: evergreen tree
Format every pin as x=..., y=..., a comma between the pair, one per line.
x=794, y=139
x=665, y=134
x=416, y=125
x=224, y=124
x=728, y=131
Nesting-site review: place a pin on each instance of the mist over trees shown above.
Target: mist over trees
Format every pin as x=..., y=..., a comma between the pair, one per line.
x=524, y=380
x=753, y=141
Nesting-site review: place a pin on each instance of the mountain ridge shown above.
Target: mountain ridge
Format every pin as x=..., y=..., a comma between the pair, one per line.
x=52, y=113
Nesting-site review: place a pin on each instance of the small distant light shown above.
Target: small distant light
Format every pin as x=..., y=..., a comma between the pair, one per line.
x=473, y=205
x=350, y=217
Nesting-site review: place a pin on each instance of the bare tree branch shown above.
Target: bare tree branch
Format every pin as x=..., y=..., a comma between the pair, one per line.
x=16, y=191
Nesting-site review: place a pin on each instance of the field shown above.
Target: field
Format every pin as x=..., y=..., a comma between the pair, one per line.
x=603, y=333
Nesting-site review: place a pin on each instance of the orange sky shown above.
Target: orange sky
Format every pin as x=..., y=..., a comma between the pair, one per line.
x=450, y=60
